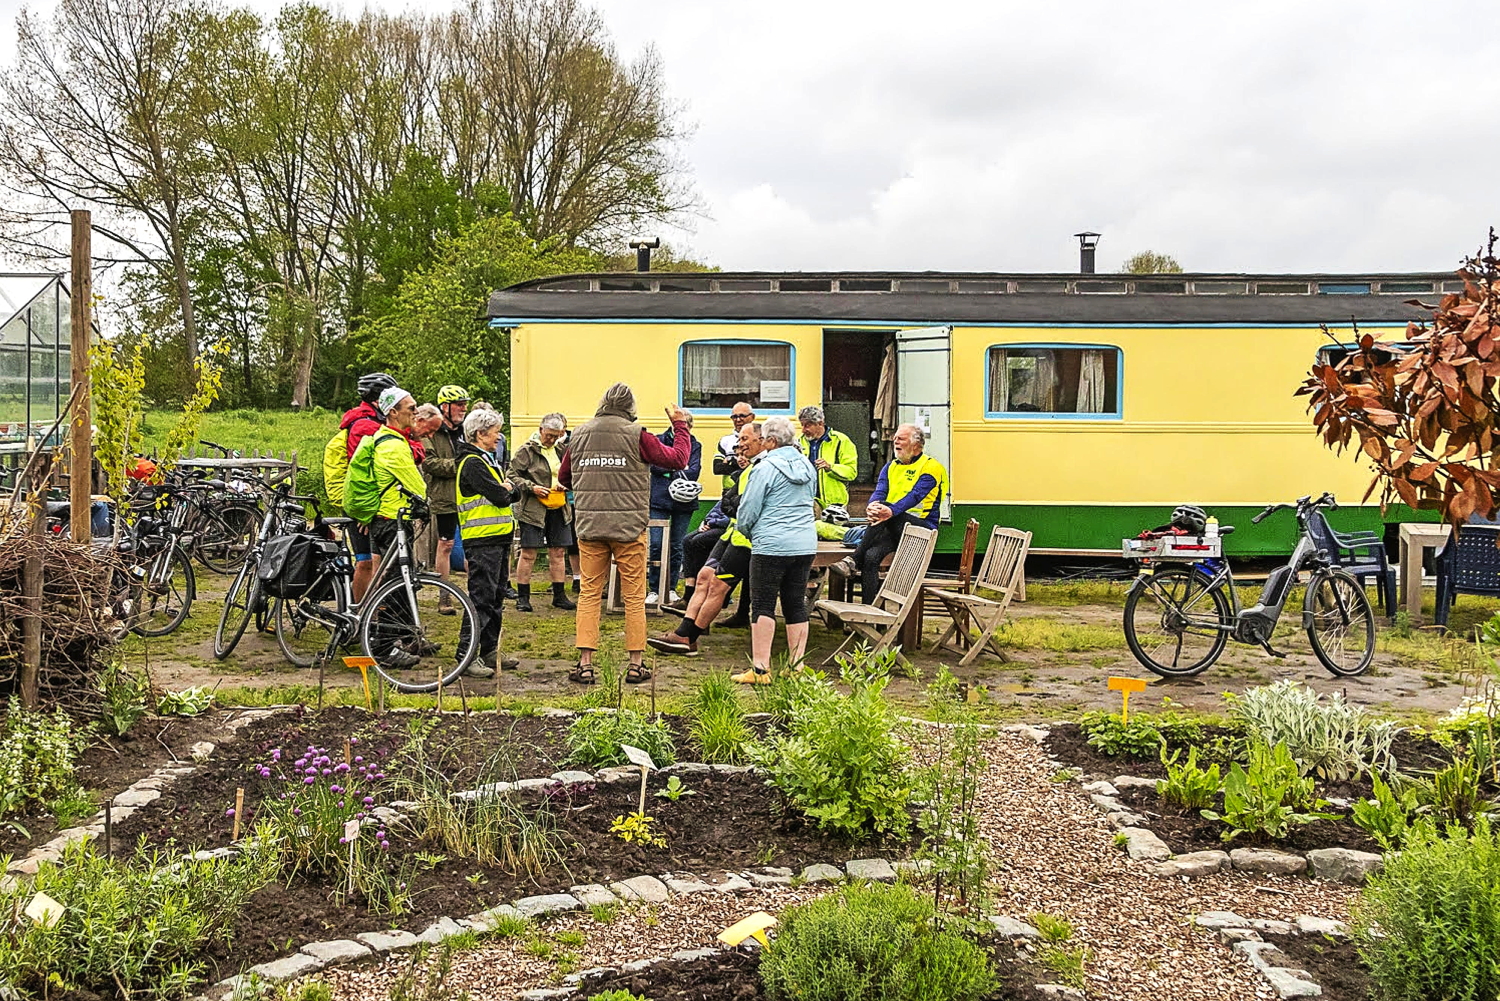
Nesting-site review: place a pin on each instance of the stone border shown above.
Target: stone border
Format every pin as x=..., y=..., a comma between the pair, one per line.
x=1243, y=936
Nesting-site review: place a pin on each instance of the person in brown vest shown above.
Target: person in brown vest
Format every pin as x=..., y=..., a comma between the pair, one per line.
x=608, y=468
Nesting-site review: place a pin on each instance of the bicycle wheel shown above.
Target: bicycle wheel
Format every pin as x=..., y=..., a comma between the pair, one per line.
x=303, y=637
x=1339, y=622
x=242, y=599
x=1175, y=623
x=226, y=537
x=415, y=648
x=166, y=593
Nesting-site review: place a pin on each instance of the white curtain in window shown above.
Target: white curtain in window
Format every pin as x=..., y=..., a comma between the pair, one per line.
x=1091, y=383
x=700, y=370
x=1044, y=387
x=999, y=382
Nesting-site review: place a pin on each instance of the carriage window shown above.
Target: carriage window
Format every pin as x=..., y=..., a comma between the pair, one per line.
x=1026, y=379
x=1335, y=356
x=718, y=374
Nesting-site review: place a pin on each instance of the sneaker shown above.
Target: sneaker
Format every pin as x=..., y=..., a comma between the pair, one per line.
x=845, y=566
x=673, y=643
x=397, y=659
x=479, y=669
x=510, y=664
x=754, y=676
x=653, y=598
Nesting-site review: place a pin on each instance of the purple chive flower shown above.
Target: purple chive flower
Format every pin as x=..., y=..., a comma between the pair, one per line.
x=309, y=780
x=358, y=759
x=334, y=788
x=229, y=812
x=369, y=801
x=276, y=754
x=354, y=740
x=341, y=768
x=328, y=771
x=311, y=771
x=296, y=811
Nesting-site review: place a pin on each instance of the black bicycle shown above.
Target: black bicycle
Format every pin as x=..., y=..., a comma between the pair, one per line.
x=1183, y=608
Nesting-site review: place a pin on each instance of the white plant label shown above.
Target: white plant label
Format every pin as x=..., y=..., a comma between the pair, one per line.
x=638, y=757
x=44, y=910
x=351, y=830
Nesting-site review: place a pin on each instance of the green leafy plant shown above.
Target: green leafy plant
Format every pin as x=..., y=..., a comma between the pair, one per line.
x=841, y=759
x=38, y=759
x=1428, y=925
x=1109, y=734
x=1326, y=735
x=718, y=720
x=314, y=990
x=617, y=996
x=72, y=807
x=952, y=843
x=1387, y=818
x=124, y=699
x=425, y=978
x=595, y=738
x=674, y=790
x=1053, y=928
x=570, y=937
x=1066, y=963
x=1269, y=797
x=1454, y=793
x=604, y=914
x=509, y=926
x=189, y=702
x=1188, y=786
x=635, y=828
x=135, y=926
x=872, y=943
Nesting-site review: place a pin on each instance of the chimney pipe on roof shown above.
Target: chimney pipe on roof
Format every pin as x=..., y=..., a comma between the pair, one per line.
x=643, y=247
x=1087, y=242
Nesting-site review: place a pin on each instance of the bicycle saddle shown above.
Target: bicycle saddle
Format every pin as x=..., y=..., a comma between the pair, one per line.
x=1226, y=529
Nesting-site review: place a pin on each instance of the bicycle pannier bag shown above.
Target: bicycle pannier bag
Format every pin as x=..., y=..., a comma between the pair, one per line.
x=289, y=564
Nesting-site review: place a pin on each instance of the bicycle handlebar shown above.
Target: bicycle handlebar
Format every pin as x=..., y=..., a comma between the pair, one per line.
x=1301, y=505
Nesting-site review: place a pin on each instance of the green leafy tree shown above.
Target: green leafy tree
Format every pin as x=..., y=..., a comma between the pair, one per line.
x=117, y=380
x=434, y=333
x=1149, y=262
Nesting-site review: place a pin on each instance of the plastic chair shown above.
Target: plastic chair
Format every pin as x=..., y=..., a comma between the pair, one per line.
x=1361, y=553
x=1470, y=564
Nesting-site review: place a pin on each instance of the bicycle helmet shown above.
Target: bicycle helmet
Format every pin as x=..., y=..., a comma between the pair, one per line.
x=452, y=394
x=1190, y=518
x=372, y=385
x=836, y=514
x=682, y=490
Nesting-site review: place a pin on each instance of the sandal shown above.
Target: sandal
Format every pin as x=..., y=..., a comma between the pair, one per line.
x=636, y=674
x=583, y=674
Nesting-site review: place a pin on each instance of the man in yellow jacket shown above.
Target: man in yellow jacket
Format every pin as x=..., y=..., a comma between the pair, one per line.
x=832, y=452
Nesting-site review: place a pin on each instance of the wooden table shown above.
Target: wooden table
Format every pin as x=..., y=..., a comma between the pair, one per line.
x=1417, y=538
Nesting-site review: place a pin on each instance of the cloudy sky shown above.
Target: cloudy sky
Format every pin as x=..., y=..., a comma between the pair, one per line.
x=1275, y=136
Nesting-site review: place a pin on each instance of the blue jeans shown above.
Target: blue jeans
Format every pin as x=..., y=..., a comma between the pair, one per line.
x=677, y=532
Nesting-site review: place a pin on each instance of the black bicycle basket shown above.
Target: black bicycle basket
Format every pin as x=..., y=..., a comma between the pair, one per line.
x=290, y=564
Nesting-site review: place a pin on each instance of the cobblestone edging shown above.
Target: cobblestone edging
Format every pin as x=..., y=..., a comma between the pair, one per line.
x=1243, y=936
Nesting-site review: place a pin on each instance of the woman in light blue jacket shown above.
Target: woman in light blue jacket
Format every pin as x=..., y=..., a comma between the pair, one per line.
x=776, y=512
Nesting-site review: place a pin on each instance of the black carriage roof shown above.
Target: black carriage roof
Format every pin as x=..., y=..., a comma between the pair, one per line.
x=834, y=297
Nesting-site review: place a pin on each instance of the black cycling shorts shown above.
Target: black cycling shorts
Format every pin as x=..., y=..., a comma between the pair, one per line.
x=447, y=525
x=731, y=563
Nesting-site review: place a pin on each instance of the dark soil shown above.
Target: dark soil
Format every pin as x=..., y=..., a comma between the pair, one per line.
x=111, y=764
x=735, y=976
x=730, y=822
x=1188, y=831
x=1334, y=965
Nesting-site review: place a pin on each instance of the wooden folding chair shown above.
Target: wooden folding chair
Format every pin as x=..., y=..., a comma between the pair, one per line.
x=881, y=622
x=984, y=609
x=964, y=581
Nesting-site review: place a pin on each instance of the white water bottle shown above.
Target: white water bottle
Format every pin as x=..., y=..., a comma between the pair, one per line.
x=1211, y=528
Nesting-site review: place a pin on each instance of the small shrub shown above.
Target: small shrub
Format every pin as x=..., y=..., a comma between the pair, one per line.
x=1109, y=734
x=841, y=759
x=1187, y=786
x=636, y=828
x=1327, y=737
x=189, y=702
x=38, y=759
x=949, y=787
x=123, y=700
x=1387, y=817
x=594, y=739
x=424, y=980
x=1053, y=928
x=872, y=943
x=1268, y=797
x=1428, y=926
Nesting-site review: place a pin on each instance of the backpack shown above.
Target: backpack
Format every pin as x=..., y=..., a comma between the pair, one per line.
x=336, y=465
x=361, y=493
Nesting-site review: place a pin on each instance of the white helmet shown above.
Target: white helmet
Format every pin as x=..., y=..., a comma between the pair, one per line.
x=683, y=490
x=836, y=514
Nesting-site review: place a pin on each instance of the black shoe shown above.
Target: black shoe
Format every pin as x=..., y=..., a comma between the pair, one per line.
x=510, y=593
x=523, y=603
x=736, y=621
x=560, y=598
x=577, y=584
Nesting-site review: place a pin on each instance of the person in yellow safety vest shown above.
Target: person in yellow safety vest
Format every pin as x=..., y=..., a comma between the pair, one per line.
x=487, y=524
x=909, y=491
x=727, y=565
x=832, y=452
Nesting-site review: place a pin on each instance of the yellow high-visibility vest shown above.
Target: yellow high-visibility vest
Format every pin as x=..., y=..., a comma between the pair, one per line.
x=478, y=516
x=900, y=478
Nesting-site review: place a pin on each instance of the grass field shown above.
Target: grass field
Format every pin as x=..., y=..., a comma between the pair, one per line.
x=266, y=430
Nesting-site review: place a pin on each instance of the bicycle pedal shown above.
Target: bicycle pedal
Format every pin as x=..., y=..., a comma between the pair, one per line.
x=1273, y=653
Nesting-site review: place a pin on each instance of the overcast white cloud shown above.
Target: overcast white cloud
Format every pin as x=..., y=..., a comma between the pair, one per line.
x=1277, y=136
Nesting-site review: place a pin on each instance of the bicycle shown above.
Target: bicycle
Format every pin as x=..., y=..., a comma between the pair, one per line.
x=245, y=596
x=1183, y=609
x=397, y=624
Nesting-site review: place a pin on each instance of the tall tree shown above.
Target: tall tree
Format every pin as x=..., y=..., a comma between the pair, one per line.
x=98, y=114
x=1149, y=262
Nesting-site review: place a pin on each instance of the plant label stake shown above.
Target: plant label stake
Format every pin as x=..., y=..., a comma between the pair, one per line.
x=109, y=825
x=349, y=752
x=351, y=835
x=239, y=808
x=1125, y=686
x=364, y=664
x=752, y=927
x=44, y=910
x=636, y=756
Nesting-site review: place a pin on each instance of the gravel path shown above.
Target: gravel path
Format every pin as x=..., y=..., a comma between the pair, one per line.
x=1052, y=852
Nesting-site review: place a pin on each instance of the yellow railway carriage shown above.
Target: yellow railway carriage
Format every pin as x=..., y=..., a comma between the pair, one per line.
x=1080, y=407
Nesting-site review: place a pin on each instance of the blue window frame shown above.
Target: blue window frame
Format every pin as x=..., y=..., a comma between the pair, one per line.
x=1053, y=381
x=714, y=375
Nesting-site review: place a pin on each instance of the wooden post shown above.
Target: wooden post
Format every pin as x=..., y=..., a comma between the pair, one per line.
x=81, y=460
x=32, y=576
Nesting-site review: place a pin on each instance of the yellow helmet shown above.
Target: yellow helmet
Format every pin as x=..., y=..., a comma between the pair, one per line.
x=453, y=394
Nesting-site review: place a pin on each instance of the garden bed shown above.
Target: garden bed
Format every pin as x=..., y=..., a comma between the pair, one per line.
x=1333, y=963
x=731, y=822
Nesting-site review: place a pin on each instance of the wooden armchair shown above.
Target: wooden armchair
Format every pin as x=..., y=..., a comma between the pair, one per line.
x=984, y=609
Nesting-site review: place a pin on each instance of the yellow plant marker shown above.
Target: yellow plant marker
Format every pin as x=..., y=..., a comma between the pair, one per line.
x=753, y=926
x=1125, y=686
x=364, y=664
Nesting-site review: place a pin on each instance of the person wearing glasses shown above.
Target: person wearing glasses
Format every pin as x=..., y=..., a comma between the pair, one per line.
x=726, y=463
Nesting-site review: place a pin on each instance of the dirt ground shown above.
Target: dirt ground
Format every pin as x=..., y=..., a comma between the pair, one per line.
x=1062, y=645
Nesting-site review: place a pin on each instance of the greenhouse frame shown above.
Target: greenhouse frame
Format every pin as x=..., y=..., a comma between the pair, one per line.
x=35, y=351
